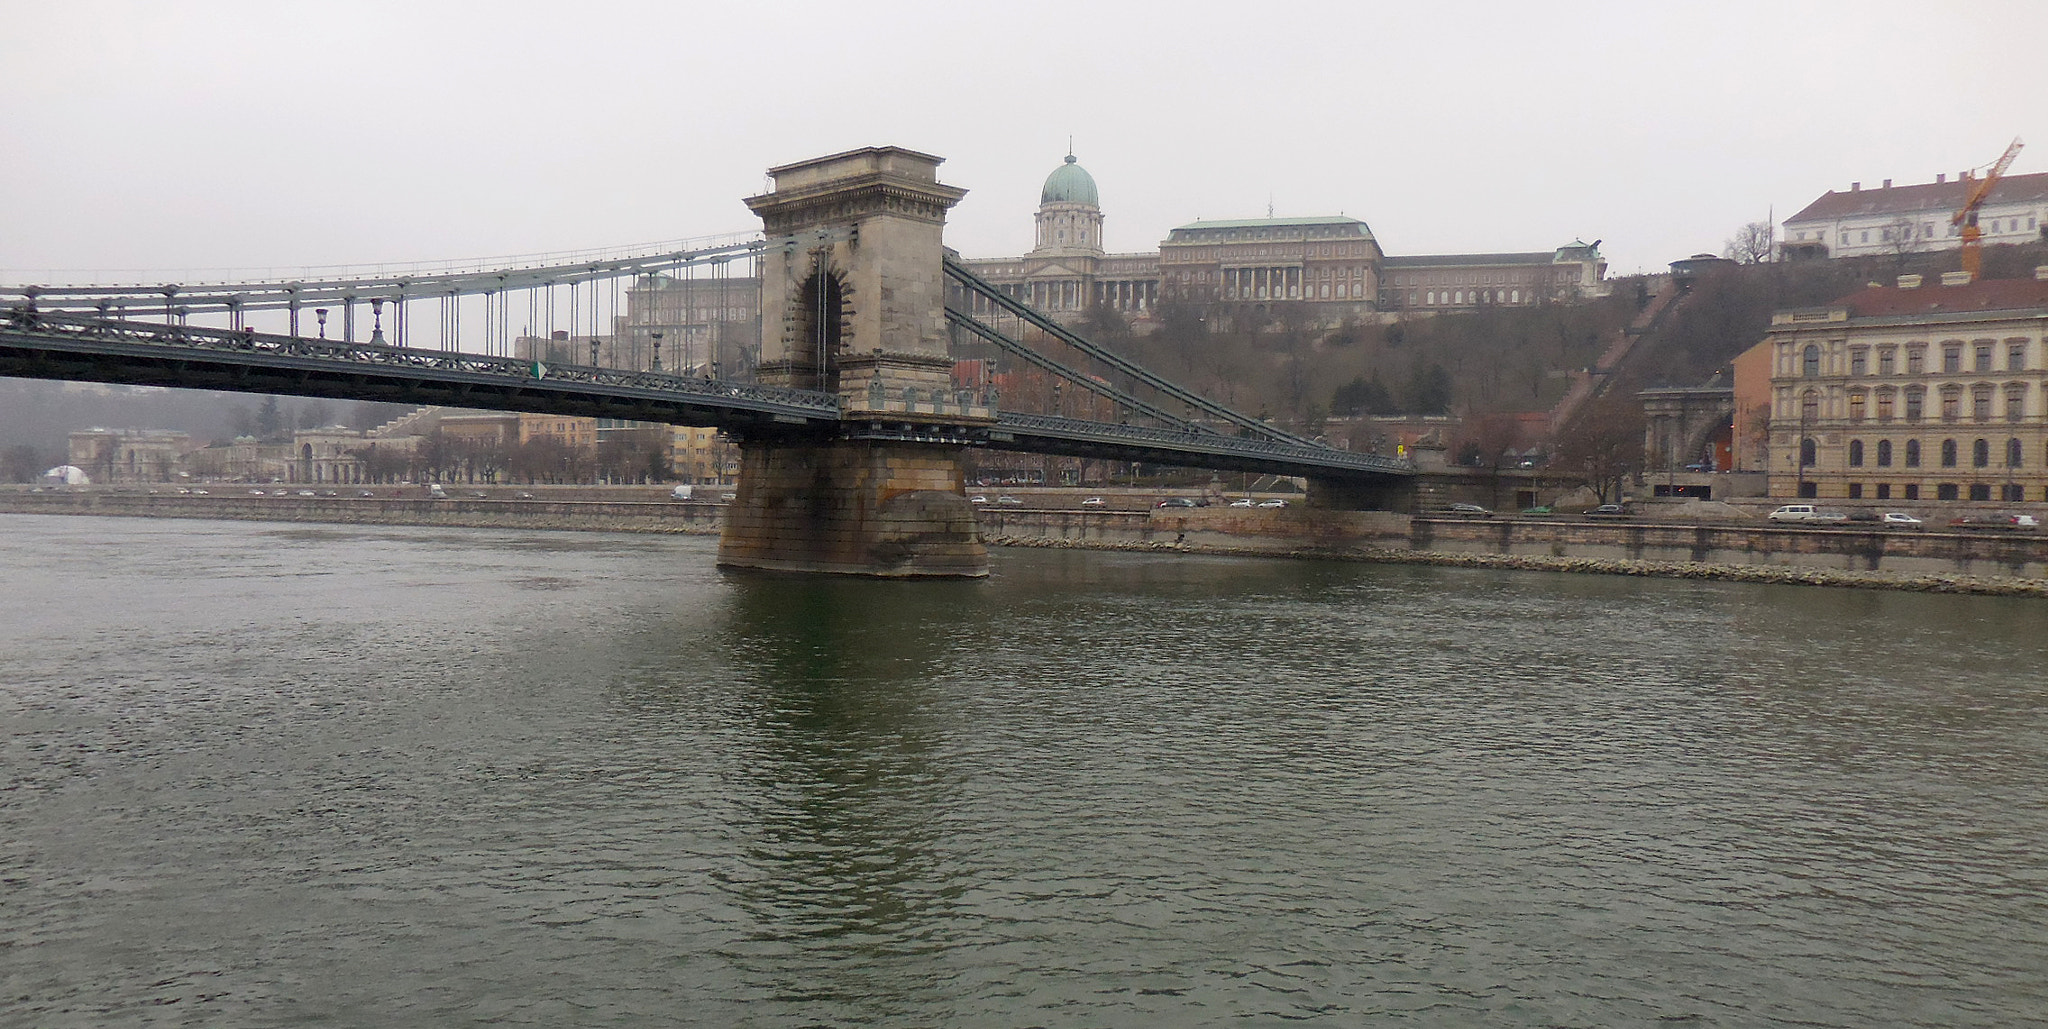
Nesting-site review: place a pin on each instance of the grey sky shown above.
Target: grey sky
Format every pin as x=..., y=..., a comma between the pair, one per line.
x=174, y=136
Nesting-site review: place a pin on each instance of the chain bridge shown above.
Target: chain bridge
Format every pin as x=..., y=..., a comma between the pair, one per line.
x=841, y=388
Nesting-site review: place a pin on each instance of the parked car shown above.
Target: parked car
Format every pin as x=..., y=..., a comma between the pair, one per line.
x=1176, y=502
x=1899, y=520
x=2005, y=521
x=1241, y=502
x=1806, y=513
x=1276, y=502
x=1608, y=511
x=1467, y=511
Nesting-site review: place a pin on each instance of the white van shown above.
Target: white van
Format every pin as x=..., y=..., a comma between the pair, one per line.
x=679, y=493
x=435, y=492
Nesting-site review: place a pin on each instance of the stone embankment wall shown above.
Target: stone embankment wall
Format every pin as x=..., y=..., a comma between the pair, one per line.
x=1935, y=560
x=1978, y=562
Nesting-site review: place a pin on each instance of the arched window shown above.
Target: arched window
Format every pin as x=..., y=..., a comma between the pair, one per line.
x=1884, y=453
x=1912, y=453
x=1980, y=454
x=1809, y=362
x=1855, y=453
x=2013, y=453
x=1948, y=453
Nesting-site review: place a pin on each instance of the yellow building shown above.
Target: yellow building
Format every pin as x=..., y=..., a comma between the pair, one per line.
x=1919, y=391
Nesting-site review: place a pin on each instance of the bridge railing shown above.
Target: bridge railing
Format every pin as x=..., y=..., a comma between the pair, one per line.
x=86, y=332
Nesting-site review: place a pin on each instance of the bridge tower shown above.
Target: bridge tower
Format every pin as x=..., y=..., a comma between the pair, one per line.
x=853, y=304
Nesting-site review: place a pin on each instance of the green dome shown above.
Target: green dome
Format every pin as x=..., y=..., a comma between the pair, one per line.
x=1070, y=184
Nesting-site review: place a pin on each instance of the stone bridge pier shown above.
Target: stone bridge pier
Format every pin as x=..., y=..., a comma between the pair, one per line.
x=853, y=303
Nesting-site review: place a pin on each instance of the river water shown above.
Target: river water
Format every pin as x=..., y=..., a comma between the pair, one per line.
x=262, y=775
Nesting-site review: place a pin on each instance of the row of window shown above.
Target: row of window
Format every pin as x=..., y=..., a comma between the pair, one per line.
x=1950, y=450
x=1982, y=354
x=2009, y=492
x=1982, y=398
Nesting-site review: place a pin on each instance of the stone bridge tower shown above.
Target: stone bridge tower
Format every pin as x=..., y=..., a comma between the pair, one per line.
x=853, y=303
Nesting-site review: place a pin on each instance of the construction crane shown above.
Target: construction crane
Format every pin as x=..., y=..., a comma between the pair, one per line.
x=1966, y=216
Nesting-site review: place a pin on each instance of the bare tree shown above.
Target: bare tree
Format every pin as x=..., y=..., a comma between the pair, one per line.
x=1603, y=444
x=1751, y=244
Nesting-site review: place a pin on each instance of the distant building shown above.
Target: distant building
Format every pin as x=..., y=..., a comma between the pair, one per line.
x=1905, y=219
x=1331, y=266
x=115, y=456
x=1914, y=392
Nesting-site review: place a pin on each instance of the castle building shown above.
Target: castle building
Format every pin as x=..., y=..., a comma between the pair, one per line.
x=1332, y=266
x=1912, y=392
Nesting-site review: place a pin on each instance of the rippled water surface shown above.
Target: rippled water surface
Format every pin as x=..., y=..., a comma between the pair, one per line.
x=260, y=775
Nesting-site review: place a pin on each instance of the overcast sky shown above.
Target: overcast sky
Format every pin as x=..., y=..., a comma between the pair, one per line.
x=182, y=135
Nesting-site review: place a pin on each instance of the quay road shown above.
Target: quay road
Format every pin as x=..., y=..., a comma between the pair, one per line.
x=1018, y=498
x=1855, y=554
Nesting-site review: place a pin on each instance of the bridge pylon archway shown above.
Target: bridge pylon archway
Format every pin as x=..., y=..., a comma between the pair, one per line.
x=853, y=304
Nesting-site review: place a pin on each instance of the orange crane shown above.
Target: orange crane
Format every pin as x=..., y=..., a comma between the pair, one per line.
x=1973, y=257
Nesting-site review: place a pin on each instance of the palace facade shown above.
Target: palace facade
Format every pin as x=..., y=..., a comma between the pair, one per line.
x=1331, y=265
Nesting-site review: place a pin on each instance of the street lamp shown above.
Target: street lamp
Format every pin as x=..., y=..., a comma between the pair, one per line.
x=320, y=315
x=657, y=350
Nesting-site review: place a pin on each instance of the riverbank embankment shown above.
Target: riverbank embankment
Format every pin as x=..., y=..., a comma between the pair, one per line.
x=2014, y=564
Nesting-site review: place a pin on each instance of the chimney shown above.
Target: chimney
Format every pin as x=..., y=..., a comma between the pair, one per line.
x=1955, y=278
x=1909, y=282
x=1940, y=177
x=1887, y=183
x=1855, y=187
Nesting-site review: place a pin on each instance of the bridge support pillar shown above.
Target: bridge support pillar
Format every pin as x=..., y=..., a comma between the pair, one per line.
x=853, y=507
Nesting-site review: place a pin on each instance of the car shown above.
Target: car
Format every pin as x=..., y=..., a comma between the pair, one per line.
x=1092, y=502
x=2004, y=520
x=729, y=496
x=1244, y=502
x=1008, y=499
x=1467, y=511
x=366, y=493
x=1608, y=511
x=307, y=493
x=329, y=493
x=256, y=493
x=1273, y=503
x=977, y=499
x=1806, y=513
x=1176, y=502
x=1701, y=466
x=1538, y=511
x=1899, y=520
x=478, y=494
x=201, y=493
x=523, y=495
